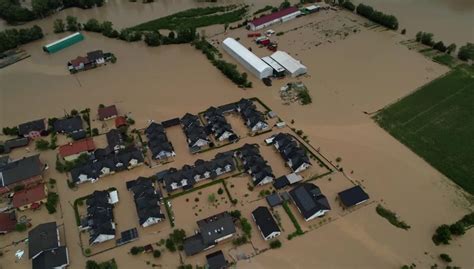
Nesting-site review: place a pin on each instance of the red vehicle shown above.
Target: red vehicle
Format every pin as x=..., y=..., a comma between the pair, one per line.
x=254, y=34
x=265, y=42
x=272, y=46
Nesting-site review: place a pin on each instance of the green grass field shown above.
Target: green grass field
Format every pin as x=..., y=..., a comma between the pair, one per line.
x=437, y=123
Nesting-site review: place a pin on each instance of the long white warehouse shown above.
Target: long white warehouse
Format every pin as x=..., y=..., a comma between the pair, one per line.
x=246, y=58
x=293, y=67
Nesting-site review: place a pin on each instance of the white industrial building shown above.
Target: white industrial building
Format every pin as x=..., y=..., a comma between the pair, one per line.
x=293, y=67
x=246, y=58
x=278, y=70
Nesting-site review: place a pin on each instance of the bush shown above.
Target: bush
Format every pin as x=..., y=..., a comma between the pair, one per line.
x=87, y=251
x=7, y=130
x=240, y=240
x=457, y=228
x=246, y=227
x=93, y=25
x=170, y=245
x=391, y=217
x=71, y=24
x=466, y=52
x=152, y=39
x=451, y=48
x=220, y=191
x=349, y=5
x=404, y=31
x=20, y=227
x=445, y=257
x=211, y=198
x=59, y=26
x=275, y=244
x=156, y=253
x=442, y=235
x=236, y=214
x=95, y=131
x=135, y=250
x=440, y=46
x=51, y=202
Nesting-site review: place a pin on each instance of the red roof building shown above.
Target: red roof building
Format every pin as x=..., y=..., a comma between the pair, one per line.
x=279, y=16
x=7, y=222
x=108, y=112
x=29, y=197
x=73, y=150
x=120, y=121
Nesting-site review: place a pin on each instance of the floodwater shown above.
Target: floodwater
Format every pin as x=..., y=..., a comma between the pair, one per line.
x=362, y=71
x=451, y=21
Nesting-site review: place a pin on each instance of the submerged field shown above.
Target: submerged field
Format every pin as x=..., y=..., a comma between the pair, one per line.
x=437, y=122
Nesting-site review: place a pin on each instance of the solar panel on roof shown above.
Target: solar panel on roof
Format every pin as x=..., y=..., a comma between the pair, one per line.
x=128, y=236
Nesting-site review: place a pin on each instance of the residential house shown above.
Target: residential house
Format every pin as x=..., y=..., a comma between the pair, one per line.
x=14, y=143
x=147, y=201
x=115, y=140
x=32, y=129
x=254, y=119
x=158, y=143
x=44, y=247
x=30, y=198
x=100, y=218
x=353, y=196
x=212, y=230
x=8, y=222
x=266, y=223
x=310, y=201
x=218, y=125
x=73, y=150
x=196, y=134
x=79, y=63
x=255, y=165
x=96, y=57
x=70, y=126
x=107, y=112
x=216, y=260
x=27, y=171
x=292, y=153
x=189, y=175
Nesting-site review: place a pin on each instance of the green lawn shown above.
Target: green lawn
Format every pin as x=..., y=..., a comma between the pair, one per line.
x=437, y=123
x=445, y=59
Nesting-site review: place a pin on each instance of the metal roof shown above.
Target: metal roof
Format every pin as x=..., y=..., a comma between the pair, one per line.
x=289, y=63
x=246, y=55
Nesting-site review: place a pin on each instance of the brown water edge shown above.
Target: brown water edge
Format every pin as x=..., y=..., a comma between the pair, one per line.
x=451, y=21
x=360, y=73
x=123, y=13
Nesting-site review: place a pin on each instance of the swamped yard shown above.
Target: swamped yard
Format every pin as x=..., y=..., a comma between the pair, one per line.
x=437, y=123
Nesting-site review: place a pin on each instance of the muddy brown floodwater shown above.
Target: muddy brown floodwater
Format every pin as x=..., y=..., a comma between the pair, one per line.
x=348, y=74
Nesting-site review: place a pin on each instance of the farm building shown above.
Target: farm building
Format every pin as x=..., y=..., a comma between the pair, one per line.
x=63, y=43
x=276, y=17
x=292, y=66
x=245, y=57
x=278, y=70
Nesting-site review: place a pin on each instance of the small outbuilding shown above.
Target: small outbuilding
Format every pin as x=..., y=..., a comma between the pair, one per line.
x=293, y=67
x=353, y=196
x=216, y=260
x=274, y=199
x=108, y=112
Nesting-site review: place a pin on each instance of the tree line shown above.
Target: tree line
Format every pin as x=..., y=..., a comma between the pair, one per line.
x=13, y=12
x=465, y=52
x=370, y=13
x=12, y=38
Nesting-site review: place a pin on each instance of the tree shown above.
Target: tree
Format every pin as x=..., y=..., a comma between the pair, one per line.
x=92, y=265
x=418, y=36
x=445, y=257
x=451, y=48
x=220, y=191
x=170, y=245
x=171, y=35
x=439, y=46
x=107, y=29
x=442, y=235
x=466, y=52
x=95, y=132
x=71, y=24
x=135, y=250
x=285, y=4
x=156, y=253
x=457, y=228
x=348, y=5
x=43, y=8
x=93, y=25
x=246, y=227
x=404, y=31
x=152, y=39
x=275, y=244
x=177, y=236
x=427, y=39
x=236, y=214
x=59, y=26
x=42, y=144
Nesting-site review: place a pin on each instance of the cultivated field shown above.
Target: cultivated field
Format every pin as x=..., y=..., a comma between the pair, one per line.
x=437, y=123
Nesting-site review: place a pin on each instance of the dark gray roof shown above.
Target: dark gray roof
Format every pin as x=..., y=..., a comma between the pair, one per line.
x=68, y=125
x=114, y=138
x=55, y=258
x=20, y=170
x=99, y=215
x=146, y=200
x=281, y=182
x=27, y=127
x=216, y=260
x=4, y=159
x=193, y=129
x=309, y=199
x=193, y=245
x=94, y=55
x=41, y=238
x=170, y=122
x=274, y=199
x=16, y=143
x=353, y=196
x=265, y=221
x=215, y=227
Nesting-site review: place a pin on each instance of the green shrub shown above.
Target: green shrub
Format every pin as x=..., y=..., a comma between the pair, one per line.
x=442, y=235
x=42, y=145
x=240, y=240
x=20, y=227
x=275, y=244
x=246, y=227
x=170, y=245
x=445, y=257
x=156, y=253
x=391, y=217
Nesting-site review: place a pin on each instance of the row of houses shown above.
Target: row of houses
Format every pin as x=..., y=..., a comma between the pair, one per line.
x=294, y=156
x=187, y=176
x=195, y=133
x=254, y=119
x=255, y=165
x=99, y=219
x=218, y=125
x=147, y=201
x=158, y=143
x=104, y=162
